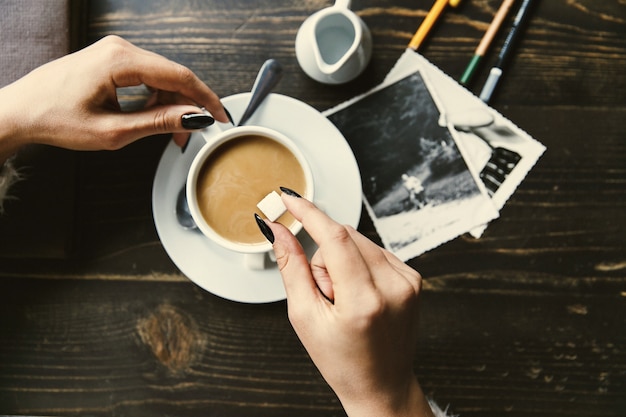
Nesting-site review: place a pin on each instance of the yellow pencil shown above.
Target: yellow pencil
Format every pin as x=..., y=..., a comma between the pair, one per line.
x=429, y=22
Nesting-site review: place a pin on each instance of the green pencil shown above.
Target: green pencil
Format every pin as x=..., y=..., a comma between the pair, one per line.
x=481, y=50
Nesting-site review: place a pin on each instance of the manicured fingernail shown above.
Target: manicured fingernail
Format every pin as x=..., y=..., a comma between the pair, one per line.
x=290, y=192
x=265, y=229
x=184, y=147
x=196, y=121
x=230, y=118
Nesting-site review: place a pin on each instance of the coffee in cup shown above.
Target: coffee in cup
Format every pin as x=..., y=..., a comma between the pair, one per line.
x=232, y=173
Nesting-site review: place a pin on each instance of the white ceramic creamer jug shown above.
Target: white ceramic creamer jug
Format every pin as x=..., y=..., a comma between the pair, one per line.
x=334, y=45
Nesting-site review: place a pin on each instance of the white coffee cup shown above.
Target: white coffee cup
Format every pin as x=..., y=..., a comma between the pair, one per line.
x=230, y=191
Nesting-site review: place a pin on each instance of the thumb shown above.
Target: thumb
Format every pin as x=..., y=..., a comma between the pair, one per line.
x=294, y=266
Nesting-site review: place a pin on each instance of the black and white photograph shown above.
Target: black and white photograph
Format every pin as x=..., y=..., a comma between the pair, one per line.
x=417, y=186
x=497, y=151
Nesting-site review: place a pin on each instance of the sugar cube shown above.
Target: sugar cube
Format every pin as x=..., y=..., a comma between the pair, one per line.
x=272, y=206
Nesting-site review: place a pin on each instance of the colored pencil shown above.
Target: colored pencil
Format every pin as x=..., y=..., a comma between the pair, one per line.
x=483, y=46
x=429, y=22
x=507, y=47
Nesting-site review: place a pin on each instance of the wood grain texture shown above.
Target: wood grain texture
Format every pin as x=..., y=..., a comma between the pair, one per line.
x=88, y=347
x=527, y=320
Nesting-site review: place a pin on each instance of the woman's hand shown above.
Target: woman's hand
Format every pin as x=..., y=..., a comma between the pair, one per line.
x=354, y=307
x=72, y=102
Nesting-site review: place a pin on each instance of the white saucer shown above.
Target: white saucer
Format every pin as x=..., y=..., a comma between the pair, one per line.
x=337, y=191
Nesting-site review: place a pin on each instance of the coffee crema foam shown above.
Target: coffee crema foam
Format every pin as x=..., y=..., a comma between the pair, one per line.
x=239, y=174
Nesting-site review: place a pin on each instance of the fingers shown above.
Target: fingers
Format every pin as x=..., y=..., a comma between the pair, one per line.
x=347, y=260
x=341, y=257
x=122, y=128
x=166, y=75
x=135, y=66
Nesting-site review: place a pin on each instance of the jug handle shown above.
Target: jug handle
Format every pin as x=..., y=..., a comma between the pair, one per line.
x=343, y=4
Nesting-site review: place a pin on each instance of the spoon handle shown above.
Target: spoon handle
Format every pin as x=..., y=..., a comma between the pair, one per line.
x=270, y=73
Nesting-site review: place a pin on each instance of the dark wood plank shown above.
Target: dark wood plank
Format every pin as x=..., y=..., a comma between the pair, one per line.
x=97, y=348
x=571, y=52
x=524, y=354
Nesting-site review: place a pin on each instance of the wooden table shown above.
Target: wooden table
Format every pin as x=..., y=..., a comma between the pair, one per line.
x=528, y=320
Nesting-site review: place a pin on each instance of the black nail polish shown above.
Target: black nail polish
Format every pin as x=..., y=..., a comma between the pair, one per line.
x=196, y=121
x=265, y=229
x=230, y=118
x=290, y=192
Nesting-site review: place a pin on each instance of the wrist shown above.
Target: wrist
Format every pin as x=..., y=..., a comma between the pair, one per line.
x=10, y=135
x=407, y=402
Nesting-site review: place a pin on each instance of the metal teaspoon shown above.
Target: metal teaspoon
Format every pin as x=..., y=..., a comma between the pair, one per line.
x=269, y=75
